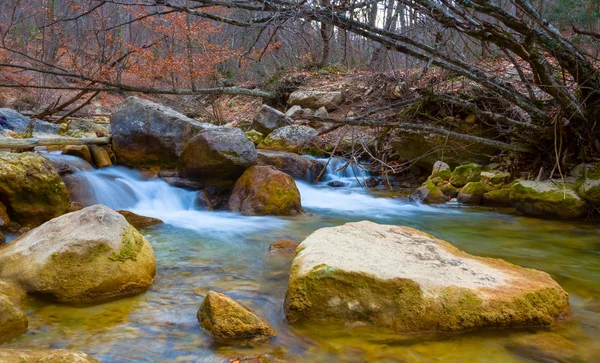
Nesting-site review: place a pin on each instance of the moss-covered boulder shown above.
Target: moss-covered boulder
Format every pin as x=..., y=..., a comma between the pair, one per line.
x=441, y=170
x=472, y=192
x=297, y=166
x=88, y=256
x=588, y=183
x=255, y=137
x=31, y=189
x=464, y=174
x=428, y=194
x=496, y=198
x=224, y=318
x=139, y=221
x=44, y=356
x=449, y=190
x=295, y=139
x=547, y=199
x=13, y=321
x=264, y=190
x=409, y=281
x=217, y=156
x=495, y=177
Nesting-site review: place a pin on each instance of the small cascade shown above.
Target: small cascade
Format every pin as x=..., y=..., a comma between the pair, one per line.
x=341, y=173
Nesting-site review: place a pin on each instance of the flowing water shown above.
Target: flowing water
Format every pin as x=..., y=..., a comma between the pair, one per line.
x=197, y=251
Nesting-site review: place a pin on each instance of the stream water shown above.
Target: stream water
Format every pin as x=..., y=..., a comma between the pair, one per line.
x=197, y=251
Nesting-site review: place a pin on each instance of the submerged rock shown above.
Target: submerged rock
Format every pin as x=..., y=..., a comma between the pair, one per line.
x=268, y=119
x=545, y=347
x=146, y=134
x=31, y=189
x=139, y=221
x=88, y=256
x=547, y=199
x=217, y=155
x=295, y=139
x=315, y=99
x=428, y=194
x=13, y=321
x=224, y=318
x=264, y=190
x=465, y=174
x=472, y=193
x=588, y=184
x=406, y=280
x=297, y=166
x=283, y=246
x=44, y=356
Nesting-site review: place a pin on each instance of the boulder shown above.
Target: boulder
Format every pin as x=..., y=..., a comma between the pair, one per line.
x=495, y=177
x=294, y=112
x=472, y=192
x=146, y=134
x=449, y=190
x=217, y=155
x=31, y=189
x=264, y=190
x=44, y=356
x=13, y=321
x=268, y=119
x=212, y=198
x=84, y=128
x=139, y=221
x=224, y=318
x=13, y=292
x=296, y=139
x=547, y=199
x=299, y=167
x=315, y=99
x=406, y=280
x=100, y=156
x=88, y=256
x=81, y=151
x=255, y=137
x=18, y=123
x=588, y=183
x=496, y=198
x=441, y=170
x=465, y=174
x=283, y=246
x=428, y=194
x=322, y=113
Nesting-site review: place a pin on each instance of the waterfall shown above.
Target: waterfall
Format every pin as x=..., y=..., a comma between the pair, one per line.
x=341, y=173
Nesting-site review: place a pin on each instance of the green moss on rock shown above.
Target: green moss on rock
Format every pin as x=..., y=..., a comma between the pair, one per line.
x=428, y=194
x=472, y=193
x=588, y=183
x=547, y=199
x=464, y=174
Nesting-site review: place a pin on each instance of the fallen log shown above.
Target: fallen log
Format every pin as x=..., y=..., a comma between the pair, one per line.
x=8, y=143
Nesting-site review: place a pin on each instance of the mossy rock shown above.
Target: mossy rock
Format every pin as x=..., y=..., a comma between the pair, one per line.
x=496, y=198
x=264, y=190
x=428, y=194
x=89, y=256
x=13, y=321
x=31, y=189
x=441, y=170
x=547, y=199
x=588, y=183
x=449, y=190
x=255, y=137
x=224, y=318
x=406, y=280
x=295, y=138
x=464, y=174
x=472, y=193
x=495, y=178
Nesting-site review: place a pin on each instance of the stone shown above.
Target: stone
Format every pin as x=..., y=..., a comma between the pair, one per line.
x=297, y=166
x=100, y=156
x=224, y=318
x=441, y=170
x=449, y=190
x=13, y=321
x=268, y=119
x=471, y=119
x=307, y=113
x=294, y=112
x=547, y=199
x=81, y=151
x=315, y=99
x=44, y=356
x=496, y=198
x=18, y=123
x=495, y=177
x=464, y=174
x=212, y=198
x=255, y=137
x=216, y=156
x=296, y=139
x=146, y=134
x=545, y=347
x=264, y=190
x=588, y=183
x=409, y=281
x=31, y=189
x=84, y=257
x=13, y=292
x=283, y=246
x=428, y=194
x=472, y=193
x=336, y=184
x=139, y=221
x=322, y=113
x=84, y=128
x=4, y=218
